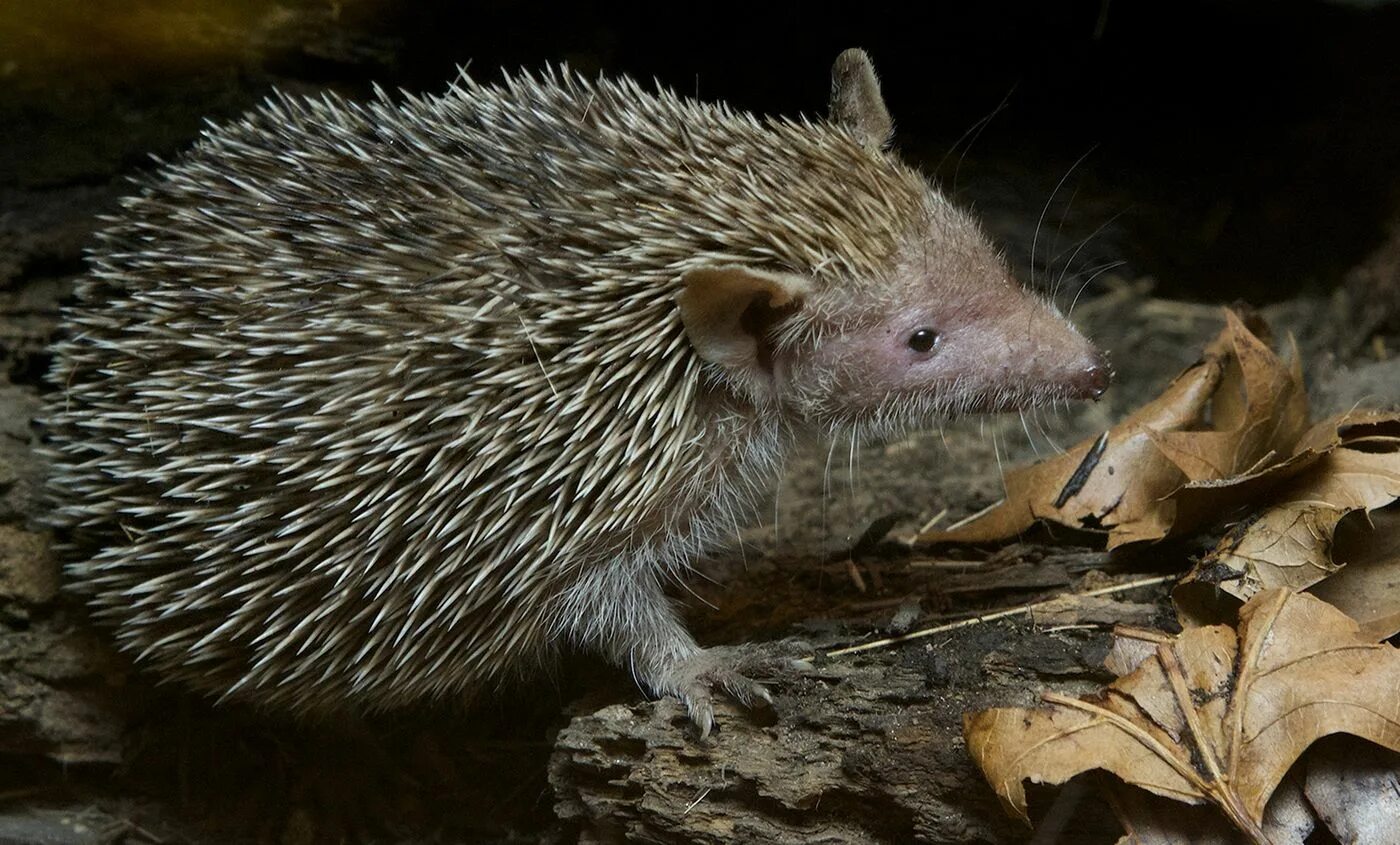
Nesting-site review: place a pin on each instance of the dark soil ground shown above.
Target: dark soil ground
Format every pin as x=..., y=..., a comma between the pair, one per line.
x=1150, y=164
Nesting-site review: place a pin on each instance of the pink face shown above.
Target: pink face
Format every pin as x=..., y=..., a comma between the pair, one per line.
x=939, y=350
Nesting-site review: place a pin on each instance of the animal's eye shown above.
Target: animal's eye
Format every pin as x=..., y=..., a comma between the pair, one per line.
x=923, y=340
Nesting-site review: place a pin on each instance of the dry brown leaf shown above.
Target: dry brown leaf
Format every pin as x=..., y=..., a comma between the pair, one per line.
x=1199, y=501
x=1238, y=411
x=1131, y=646
x=1257, y=414
x=1290, y=544
x=1215, y=715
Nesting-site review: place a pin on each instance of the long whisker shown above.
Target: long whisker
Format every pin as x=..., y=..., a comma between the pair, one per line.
x=1100, y=271
x=975, y=130
x=1027, y=429
x=1064, y=269
x=996, y=450
x=1039, y=426
x=1035, y=239
x=1059, y=229
x=851, y=466
x=826, y=487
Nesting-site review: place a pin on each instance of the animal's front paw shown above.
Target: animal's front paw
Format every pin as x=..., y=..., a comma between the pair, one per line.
x=695, y=680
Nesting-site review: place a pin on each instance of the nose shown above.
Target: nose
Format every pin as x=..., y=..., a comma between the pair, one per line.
x=1095, y=378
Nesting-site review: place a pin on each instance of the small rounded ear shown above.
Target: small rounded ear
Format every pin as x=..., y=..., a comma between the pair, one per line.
x=856, y=102
x=727, y=311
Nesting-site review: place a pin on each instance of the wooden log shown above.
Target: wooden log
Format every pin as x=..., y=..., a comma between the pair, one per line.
x=863, y=748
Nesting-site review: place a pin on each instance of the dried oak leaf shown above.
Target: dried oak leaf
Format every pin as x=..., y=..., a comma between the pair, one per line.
x=1290, y=543
x=1235, y=412
x=1213, y=715
x=1199, y=501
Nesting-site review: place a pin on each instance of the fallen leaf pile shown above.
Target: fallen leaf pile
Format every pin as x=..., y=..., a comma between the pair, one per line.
x=1353, y=467
x=1218, y=715
x=1214, y=715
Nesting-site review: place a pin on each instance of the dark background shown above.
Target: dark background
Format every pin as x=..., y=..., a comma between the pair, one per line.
x=1228, y=149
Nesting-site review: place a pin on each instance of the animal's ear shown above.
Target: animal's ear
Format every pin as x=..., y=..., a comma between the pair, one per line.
x=728, y=310
x=856, y=102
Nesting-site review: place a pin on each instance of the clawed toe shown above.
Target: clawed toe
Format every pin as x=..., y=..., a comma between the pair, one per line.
x=700, y=676
x=699, y=703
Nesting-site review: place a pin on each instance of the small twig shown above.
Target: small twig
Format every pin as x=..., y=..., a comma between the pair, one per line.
x=696, y=802
x=1146, y=635
x=972, y=517
x=879, y=604
x=1000, y=614
x=947, y=563
x=1081, y=627
x=933, y=520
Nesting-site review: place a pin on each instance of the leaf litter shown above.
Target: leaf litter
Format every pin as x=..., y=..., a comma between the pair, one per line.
x=1215, y=715
x=1218, y=715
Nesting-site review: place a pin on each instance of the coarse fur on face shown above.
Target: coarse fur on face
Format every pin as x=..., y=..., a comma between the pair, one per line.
x=944, y=333
x=936, y=329
x=941, y=331
x=365, y=404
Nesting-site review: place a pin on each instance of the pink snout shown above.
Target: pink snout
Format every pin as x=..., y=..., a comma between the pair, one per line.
x=1093, y=380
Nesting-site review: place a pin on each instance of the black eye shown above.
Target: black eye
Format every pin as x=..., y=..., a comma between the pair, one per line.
x=923, y=340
